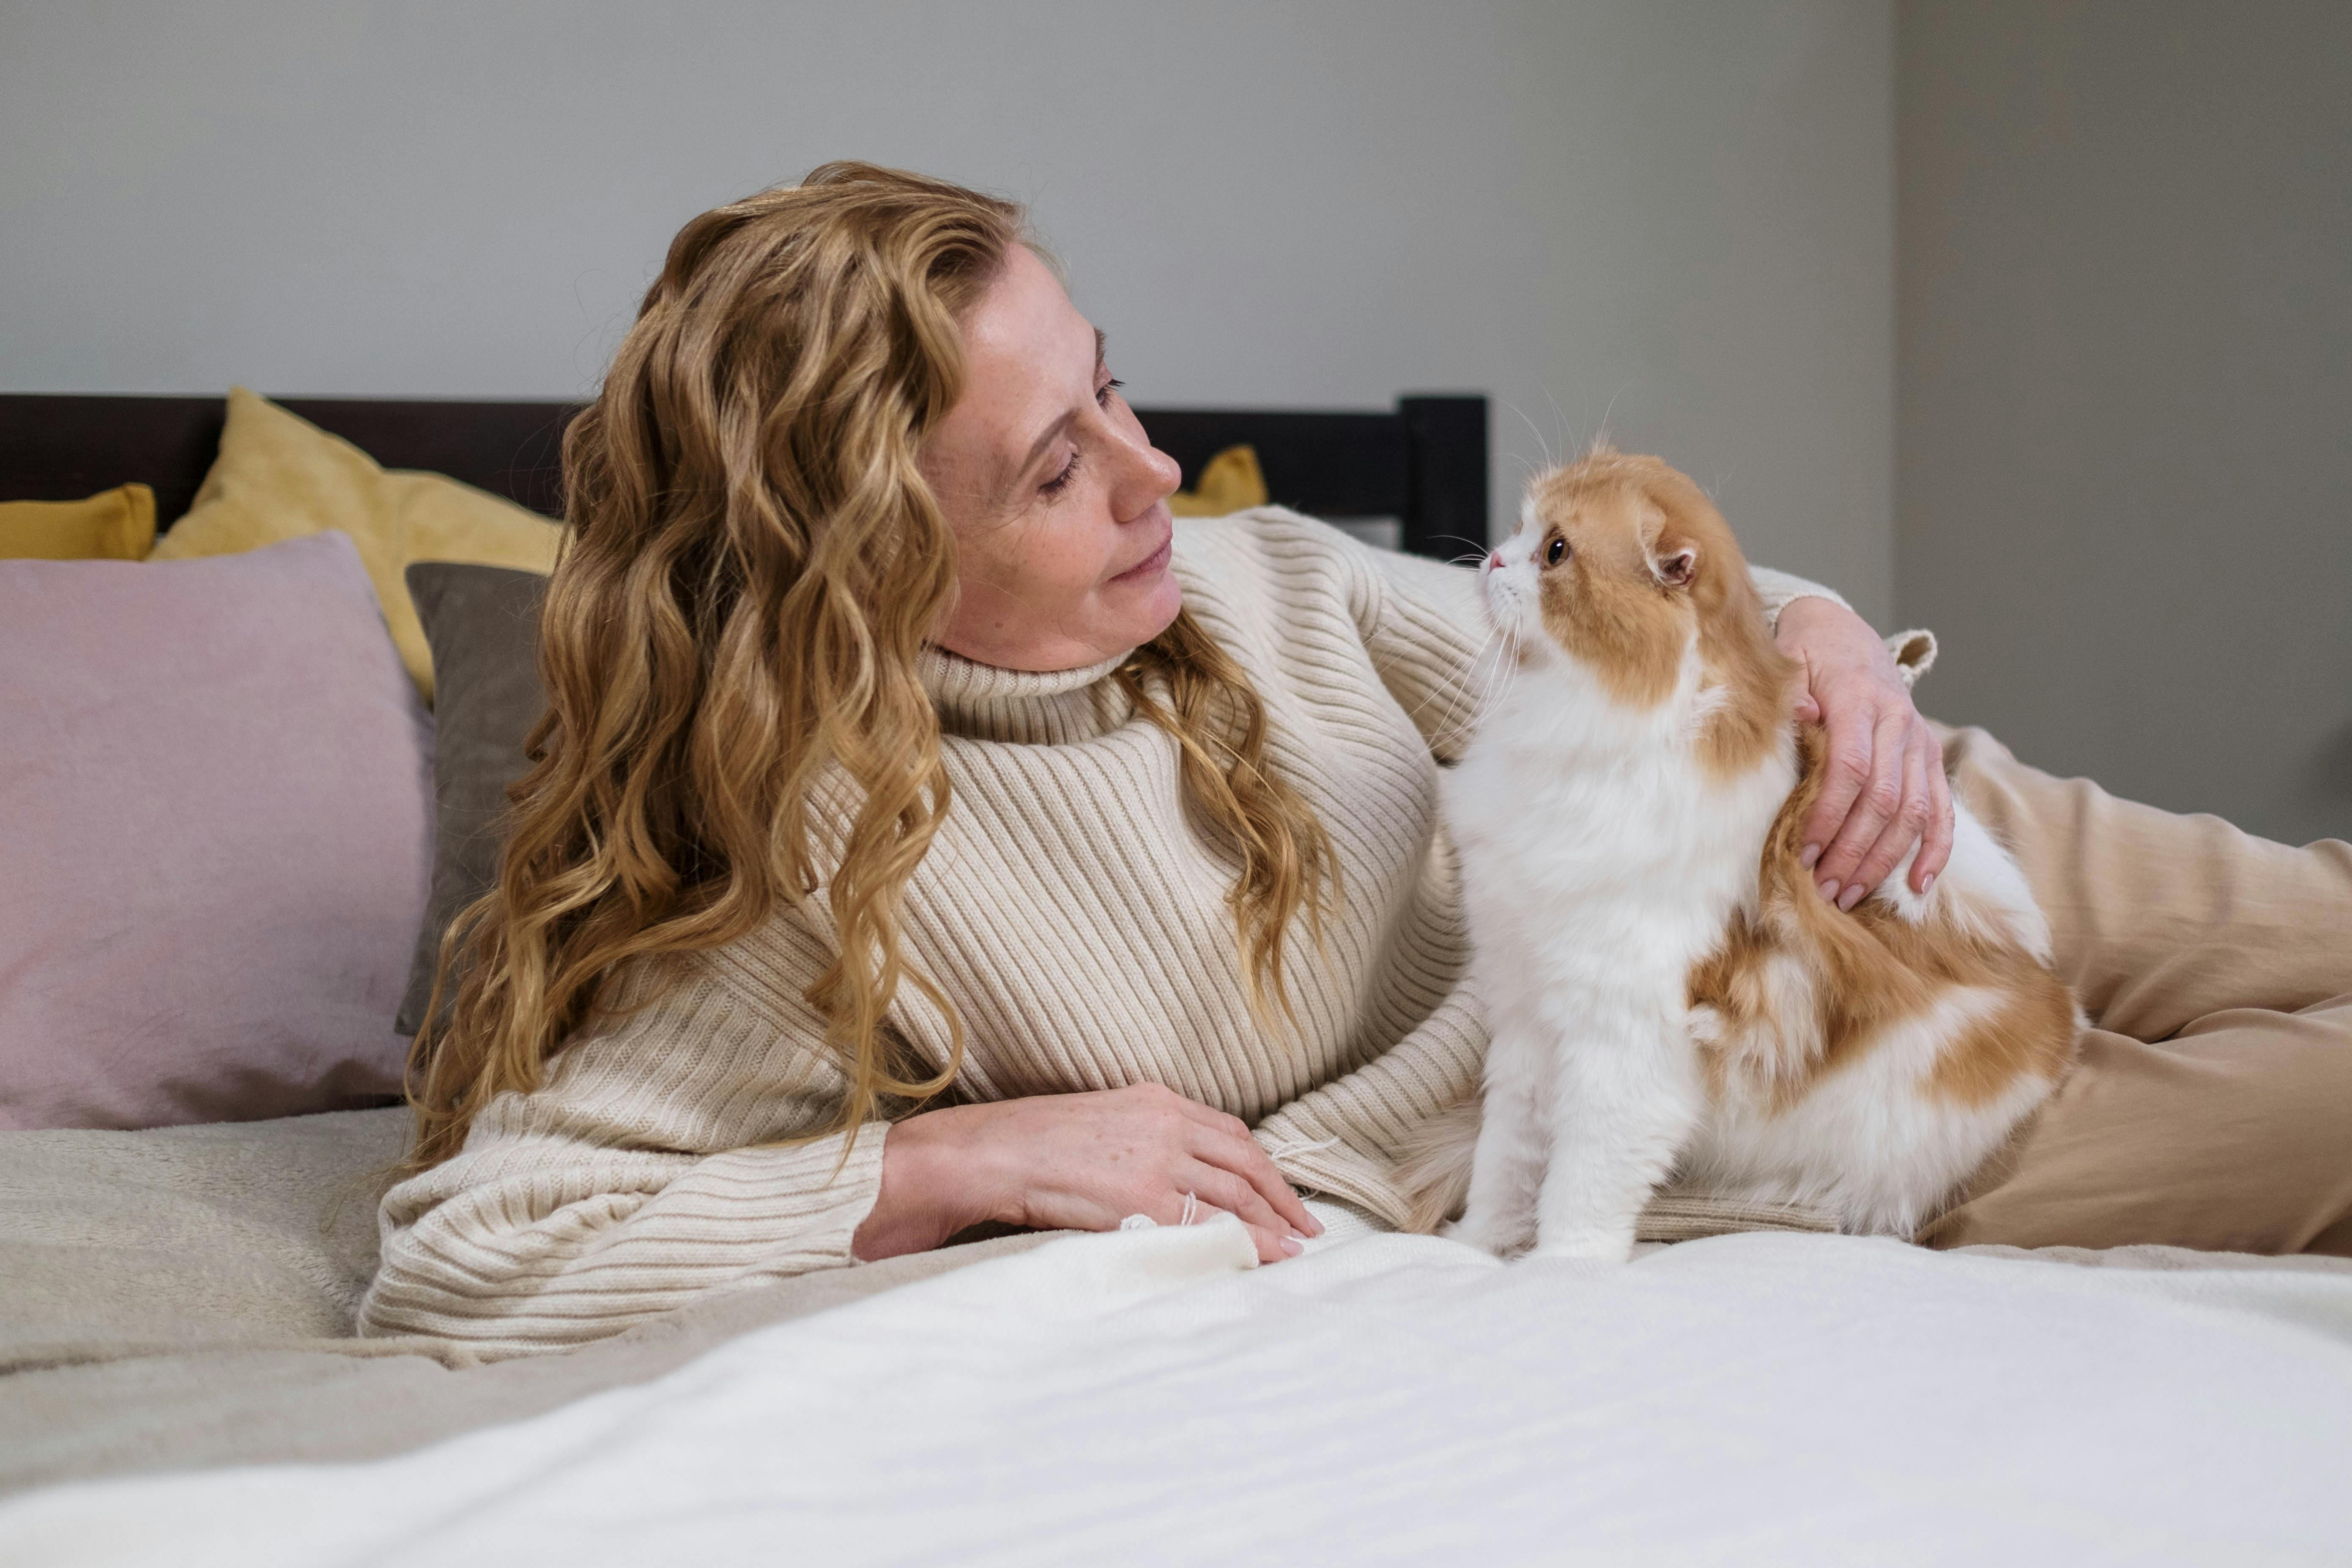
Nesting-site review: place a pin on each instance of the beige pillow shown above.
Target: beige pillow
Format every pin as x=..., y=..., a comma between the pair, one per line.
x=113, y=525
x=279, y=475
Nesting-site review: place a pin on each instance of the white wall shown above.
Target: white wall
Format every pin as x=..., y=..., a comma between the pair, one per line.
x=2126, y=391
x=1678, y=216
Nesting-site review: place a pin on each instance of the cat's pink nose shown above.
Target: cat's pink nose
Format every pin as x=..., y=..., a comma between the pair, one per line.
x=1493, y=561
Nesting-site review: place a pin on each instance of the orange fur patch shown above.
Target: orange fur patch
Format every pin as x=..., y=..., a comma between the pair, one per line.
x=1608, y=604
x=1801, y=989
x=1869, y=970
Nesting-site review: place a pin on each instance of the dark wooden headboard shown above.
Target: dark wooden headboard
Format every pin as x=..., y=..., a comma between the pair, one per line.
x=1422, y=462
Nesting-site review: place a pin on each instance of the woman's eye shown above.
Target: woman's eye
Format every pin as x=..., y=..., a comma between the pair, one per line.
x=1060, y=481
x=1557, y=553
x=1109, y=388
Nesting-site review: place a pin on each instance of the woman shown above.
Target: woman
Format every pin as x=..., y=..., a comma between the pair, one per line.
x=914, y=804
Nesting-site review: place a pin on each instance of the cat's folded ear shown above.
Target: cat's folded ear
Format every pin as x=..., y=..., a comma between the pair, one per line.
x=1674, y=562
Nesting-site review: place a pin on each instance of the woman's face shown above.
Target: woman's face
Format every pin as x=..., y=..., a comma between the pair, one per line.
x=1058, y=498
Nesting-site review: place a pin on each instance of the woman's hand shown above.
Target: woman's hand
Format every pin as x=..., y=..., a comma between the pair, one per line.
x=1884, y=789
x=1077, y=1162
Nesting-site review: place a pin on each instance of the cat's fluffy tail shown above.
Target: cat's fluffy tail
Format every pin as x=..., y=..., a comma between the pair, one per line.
x=1434, y=1165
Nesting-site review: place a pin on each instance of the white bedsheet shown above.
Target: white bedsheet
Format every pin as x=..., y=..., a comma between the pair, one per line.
x=1145, y=1397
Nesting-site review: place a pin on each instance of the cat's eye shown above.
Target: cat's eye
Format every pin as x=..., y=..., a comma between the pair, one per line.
x=1557, y=552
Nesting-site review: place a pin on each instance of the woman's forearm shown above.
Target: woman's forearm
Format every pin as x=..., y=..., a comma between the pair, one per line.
x=930, y=1189
x=1075, y=1161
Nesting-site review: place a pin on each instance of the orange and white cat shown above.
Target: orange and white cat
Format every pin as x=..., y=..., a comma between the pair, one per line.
x=1665, y=989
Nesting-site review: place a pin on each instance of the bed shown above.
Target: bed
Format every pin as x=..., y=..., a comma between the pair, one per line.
x=1420, y=465
x=1145, y=1397
x=179, y=1383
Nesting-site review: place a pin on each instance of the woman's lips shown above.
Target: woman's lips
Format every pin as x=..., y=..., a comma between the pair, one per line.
x=1151, y=565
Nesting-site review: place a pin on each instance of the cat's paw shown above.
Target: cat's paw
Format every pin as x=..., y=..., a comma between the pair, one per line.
x=1586, y=1245
x=1501, y=1241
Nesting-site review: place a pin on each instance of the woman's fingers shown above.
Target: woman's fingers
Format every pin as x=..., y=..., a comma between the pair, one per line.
x=1232, y=1147
x=1089, y=1161
x=1875, y=805
x=1907, y=827
x=1239, y=1152
x=1809, y=705
x=1882, y=787
x=1845, y=772
x=1223, y=1190
x=1936, y=850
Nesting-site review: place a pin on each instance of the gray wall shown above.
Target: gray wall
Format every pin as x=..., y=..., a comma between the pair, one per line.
x=1680, y=216
x=2124, y=465
x=2125, y=296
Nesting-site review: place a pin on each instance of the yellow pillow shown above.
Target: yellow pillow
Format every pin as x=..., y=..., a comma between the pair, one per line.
x=279, y=477
x=1230, y=482
x=113, y=525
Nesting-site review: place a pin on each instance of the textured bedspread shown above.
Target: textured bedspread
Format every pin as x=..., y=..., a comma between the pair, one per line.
x=184, y=1298
x=1145, y=1397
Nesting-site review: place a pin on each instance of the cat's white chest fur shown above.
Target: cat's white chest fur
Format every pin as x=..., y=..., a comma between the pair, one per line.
x=1663, y=988
x=1598, y=863
x=1593, y=842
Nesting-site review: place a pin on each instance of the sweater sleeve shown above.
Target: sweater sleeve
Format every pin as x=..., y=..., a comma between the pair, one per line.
x=1778, y=590
x=1425, y=627
x=654, y=1166
x=1344, y=1138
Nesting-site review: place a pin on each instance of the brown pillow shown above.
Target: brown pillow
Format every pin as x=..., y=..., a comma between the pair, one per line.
x=482, y=624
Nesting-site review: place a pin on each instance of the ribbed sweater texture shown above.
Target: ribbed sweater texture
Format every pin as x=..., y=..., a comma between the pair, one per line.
x=1077, y=923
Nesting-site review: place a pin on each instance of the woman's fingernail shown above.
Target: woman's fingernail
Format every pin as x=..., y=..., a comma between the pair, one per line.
x=1293, y=1246
x=1812, y=853
x=1852, y=896
x=1927, y=884
x=1829, y=890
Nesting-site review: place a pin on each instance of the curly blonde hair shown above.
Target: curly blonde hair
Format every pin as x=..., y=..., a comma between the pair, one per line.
x=729, y=645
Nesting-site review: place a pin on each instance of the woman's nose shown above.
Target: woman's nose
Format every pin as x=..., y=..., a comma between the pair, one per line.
x=1146, y=476
x=1166, y=475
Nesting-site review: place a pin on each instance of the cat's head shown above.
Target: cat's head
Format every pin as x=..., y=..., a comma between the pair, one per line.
x=1620, y=564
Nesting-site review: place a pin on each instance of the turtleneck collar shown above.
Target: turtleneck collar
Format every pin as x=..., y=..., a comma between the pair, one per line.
x=1036, y=707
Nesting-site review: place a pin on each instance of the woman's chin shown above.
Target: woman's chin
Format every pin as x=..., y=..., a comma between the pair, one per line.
x=1148, y=607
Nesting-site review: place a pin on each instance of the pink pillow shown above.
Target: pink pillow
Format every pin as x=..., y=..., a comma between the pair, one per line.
x=216, y=807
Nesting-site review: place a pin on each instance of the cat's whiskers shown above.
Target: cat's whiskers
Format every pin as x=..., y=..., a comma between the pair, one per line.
x=1478, y=552
x=1534, y=429
x=1494, y=674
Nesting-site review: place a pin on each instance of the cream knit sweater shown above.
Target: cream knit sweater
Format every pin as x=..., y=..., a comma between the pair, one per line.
x=1079, y=926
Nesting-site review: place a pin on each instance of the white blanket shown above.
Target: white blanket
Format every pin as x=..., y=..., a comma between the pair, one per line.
x=1146, y=1397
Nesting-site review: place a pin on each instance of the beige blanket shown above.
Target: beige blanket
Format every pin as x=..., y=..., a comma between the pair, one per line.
x=184, y=1298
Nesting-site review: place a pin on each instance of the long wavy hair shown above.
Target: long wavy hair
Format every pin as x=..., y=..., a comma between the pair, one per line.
x=729, y=645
